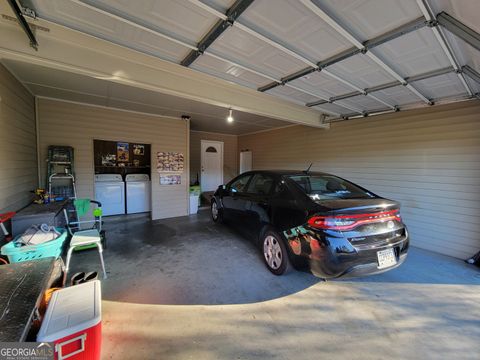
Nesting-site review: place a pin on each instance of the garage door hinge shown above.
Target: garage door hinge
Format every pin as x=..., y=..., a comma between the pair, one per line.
x=29, y=12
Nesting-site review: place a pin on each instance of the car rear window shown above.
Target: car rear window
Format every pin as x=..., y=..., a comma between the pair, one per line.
x=328, y=187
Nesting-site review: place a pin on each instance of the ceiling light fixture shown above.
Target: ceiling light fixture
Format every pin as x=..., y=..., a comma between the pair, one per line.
x=230, y=117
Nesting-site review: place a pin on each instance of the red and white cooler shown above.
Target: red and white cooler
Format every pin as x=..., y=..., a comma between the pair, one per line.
x=73, y=321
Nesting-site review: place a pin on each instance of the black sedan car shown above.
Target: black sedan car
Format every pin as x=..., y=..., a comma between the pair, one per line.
x=314, y=221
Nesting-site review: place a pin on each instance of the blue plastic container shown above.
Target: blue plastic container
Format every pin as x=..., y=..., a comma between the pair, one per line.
x=52, y=248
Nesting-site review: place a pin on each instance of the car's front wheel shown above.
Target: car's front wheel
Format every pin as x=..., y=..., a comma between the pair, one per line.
x=275, y=253
x=217, y=215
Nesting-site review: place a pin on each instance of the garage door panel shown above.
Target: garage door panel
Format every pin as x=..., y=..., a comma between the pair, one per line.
x=291, y=94
x=414, y=53
x=363, y=102
x=181, y=19
x=105, y=27
x=438, y=87
x=361, y=71
x=336, y=108
x=398, y=94
x=322, y=83
x=228, y=71
x=363, y=18
x=248, y=50
x=296, y=27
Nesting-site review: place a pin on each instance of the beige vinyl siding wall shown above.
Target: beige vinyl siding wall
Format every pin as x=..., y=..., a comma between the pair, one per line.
x=427, y=159
x=77, y=125
x=18, y=145
x=230, y=153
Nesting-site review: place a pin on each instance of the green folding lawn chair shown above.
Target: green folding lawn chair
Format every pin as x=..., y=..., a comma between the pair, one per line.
x=83, y=236
x=81, y=210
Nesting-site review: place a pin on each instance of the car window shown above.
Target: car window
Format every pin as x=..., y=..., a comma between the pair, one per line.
x=282, y=191
x=240, y=184
x=326, y=187
x=261, y=184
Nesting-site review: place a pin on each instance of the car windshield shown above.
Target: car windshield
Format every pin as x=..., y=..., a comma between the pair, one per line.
x=328, y=187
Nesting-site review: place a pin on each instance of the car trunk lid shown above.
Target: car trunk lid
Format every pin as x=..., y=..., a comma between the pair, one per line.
x=363, y=222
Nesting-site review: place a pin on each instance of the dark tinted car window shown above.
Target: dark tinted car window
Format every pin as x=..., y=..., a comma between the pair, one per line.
x=327, y=187
x=261, y=184
x=282, y=191
x=240, y=184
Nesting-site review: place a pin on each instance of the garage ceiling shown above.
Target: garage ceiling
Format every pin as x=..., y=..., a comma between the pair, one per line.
x=342, y=58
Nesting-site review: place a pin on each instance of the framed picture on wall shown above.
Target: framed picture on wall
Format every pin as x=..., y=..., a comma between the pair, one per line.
x=170, y=179
x=122, y=152
x=138, y=149
x=170, y=162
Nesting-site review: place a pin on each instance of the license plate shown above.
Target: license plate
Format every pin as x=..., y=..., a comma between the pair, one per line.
x=386, y=258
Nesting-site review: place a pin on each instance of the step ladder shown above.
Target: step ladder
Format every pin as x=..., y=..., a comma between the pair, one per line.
x=60, y=172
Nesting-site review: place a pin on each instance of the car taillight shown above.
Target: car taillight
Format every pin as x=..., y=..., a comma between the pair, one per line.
x=348, y=222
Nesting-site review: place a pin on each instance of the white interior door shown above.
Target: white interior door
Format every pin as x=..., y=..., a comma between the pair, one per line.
x=245, y=161
x=212, y=165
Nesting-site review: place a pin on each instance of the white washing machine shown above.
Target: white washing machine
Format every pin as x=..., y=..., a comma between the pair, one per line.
x=138, y=193
x=110, y=191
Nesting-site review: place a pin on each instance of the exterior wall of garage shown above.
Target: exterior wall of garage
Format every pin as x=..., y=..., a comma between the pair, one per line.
x=428, y=159
x=77, y=125
x=18, y=151
x=230, y=146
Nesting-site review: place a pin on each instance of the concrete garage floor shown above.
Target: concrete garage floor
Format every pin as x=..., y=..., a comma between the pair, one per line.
x=185, y=288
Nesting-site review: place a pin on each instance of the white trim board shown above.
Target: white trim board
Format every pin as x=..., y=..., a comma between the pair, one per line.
x=213, y=132
x=108, y=107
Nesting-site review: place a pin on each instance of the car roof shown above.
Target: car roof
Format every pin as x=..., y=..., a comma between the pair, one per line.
x=287, y=172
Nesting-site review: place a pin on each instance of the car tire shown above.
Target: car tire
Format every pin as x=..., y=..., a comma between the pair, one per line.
x=274, y=253
x=216, y=212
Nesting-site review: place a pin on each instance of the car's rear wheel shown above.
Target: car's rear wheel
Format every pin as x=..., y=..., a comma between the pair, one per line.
x=216, y=213
x=275, y=253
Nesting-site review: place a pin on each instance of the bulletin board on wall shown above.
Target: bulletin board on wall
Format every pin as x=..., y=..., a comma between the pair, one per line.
x=170, y=166
x=121, y=157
